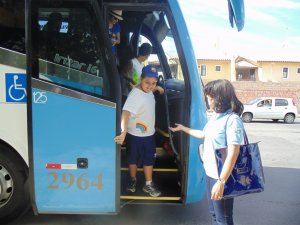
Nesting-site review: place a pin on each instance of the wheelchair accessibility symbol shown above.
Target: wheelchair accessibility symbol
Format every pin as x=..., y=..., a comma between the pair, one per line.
x=15, y=87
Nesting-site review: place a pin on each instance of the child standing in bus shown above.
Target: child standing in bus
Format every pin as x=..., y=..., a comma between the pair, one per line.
x=138, y=119
x=115, y=28
x=138, y=63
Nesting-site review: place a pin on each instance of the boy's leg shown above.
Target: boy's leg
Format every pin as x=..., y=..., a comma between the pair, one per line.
x=148, y=173
x=149, y=187
x=148, y=162
x=131, y=146
x=131, y=185
x=148, y=154
x=132, y=170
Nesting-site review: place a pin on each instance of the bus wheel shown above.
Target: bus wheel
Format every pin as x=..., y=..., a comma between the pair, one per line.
x=14, y=195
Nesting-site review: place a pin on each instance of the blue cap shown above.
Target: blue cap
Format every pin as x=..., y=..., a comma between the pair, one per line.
x=150, y=71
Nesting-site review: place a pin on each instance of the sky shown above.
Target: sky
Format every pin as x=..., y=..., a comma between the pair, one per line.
x=271, y=30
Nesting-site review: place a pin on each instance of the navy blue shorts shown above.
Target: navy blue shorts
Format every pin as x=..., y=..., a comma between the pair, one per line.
x=140, y=150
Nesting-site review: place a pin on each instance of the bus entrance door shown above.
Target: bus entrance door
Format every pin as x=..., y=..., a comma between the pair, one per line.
x=73, y=156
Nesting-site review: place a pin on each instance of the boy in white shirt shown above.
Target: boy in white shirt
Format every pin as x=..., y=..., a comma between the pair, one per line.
x=138, y=63
x=138, y=121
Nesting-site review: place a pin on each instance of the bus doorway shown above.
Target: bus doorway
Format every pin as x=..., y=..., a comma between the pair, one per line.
x=153, y=24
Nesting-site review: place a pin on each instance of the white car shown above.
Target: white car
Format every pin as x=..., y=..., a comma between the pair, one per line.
x=275, y=108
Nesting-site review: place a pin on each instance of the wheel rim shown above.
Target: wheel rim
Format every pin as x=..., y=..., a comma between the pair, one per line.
x=247, y=117
x=289, y=118
x=6, y=186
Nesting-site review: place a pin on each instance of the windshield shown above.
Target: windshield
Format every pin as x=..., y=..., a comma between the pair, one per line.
x=253, y=101
x=169, y=47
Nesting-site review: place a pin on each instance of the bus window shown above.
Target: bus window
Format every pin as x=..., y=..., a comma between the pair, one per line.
x=12, y=38
x=164, y=49
x=168, y=45
x=69, y=50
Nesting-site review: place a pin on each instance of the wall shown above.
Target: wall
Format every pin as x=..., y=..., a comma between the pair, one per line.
x=211, y=66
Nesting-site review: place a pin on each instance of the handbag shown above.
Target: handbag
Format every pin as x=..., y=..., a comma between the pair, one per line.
x=247, y=175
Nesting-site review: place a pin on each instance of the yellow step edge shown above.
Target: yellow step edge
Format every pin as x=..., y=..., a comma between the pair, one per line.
x=154, y=170
x=150, y=198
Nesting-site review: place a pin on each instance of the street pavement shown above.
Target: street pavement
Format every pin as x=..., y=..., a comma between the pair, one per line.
x=279, y=204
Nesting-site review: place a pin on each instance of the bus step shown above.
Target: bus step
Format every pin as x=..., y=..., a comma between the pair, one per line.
x=161, y=198
x=154, y=170
x=166, y=180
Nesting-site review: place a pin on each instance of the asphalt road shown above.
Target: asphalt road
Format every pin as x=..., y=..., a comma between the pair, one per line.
x=279, y=204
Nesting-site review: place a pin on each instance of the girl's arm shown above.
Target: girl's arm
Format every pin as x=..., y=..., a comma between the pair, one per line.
x=124, y=125
x=218, y=188
x=195, y=133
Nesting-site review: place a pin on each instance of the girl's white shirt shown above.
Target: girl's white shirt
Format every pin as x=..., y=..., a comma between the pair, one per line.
x=214, y=132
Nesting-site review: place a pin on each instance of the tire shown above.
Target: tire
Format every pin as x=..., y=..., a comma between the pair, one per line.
x=275, y=120
x=247, y=117
x=289, y=118
x=14, y=193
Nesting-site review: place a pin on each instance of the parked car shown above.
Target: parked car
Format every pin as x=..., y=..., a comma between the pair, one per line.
x=275, y=108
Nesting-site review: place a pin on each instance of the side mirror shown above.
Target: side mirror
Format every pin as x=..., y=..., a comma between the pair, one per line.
x=236, y=13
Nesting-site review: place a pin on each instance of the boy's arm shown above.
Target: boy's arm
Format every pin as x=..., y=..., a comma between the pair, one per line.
x=124, y=126
x=159, y=89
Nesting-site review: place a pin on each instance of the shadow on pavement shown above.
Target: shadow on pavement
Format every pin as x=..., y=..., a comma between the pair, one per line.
x=279, y=204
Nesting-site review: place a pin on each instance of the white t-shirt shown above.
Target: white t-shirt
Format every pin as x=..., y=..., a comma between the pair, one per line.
x=141, y=106
x=137, y=68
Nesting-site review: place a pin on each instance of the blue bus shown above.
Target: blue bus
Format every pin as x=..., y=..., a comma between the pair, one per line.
x=61, y=102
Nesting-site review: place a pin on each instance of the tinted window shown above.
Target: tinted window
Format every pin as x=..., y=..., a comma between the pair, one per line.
x=70, y=50
x=281, y=102
x=253, y=101
x=12, y=34
x=12, y=25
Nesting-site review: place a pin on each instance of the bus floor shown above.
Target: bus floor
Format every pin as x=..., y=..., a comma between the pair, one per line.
x=165, y=176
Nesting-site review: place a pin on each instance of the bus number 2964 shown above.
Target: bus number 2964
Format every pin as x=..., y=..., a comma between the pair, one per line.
x=68, y=180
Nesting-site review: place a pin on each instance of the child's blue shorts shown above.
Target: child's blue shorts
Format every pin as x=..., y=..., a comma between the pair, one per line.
x=140, y=150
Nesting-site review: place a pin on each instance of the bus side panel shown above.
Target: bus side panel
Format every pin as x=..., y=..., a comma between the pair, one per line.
x=13, y=120
x=196, y=174
x=69, y=133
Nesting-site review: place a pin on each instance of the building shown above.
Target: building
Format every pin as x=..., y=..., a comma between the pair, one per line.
x=242, y=69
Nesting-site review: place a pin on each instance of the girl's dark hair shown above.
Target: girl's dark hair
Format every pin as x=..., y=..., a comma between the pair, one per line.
x=223, y=93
